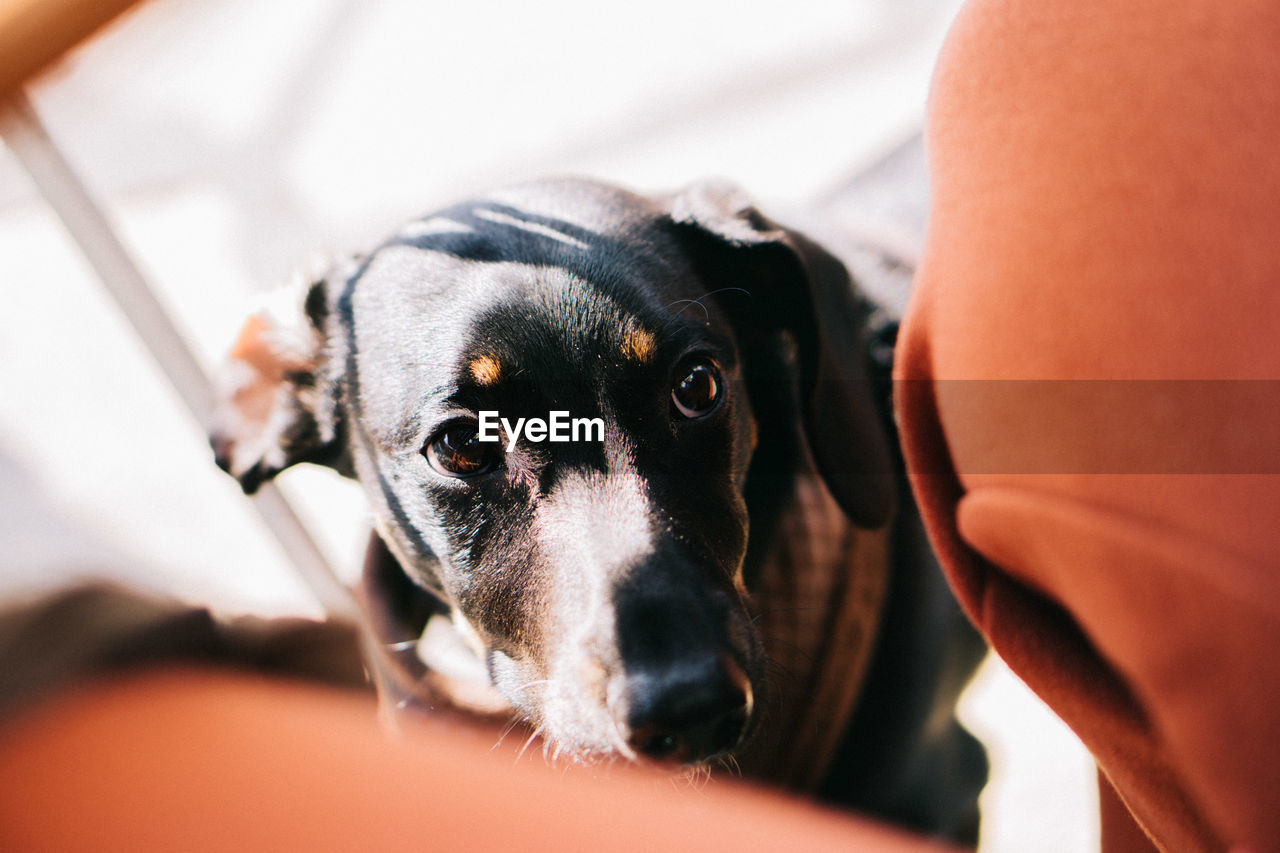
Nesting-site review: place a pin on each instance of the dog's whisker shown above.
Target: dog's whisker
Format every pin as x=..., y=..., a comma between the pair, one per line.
x=774, y=671
x=778, y=682
x=537, y=731
x=795, y=648
x=705, y=313
x=528, y=684
x=728, y=290
x=687, y=303
x=506, y=730
x=695, y=778
x=402, y=646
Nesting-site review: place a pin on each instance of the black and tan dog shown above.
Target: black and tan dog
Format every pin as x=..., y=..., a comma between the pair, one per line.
x=721, y=561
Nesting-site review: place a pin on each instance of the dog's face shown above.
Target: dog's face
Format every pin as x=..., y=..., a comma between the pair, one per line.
x=600, y=575
x=596, y=564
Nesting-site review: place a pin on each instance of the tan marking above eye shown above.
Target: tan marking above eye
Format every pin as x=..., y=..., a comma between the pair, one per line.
x=485, y=369
x=638, y=345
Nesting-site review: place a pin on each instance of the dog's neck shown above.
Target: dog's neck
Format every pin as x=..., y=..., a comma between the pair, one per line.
x=818, y=599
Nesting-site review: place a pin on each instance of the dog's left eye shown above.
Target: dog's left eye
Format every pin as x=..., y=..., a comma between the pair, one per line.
x=697, y=393
x=456, y=451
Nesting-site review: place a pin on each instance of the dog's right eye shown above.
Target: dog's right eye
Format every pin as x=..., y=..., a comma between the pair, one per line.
x=457, y=451
x=699, y=391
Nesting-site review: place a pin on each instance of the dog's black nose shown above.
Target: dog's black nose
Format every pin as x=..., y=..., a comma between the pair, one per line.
x=689, y=713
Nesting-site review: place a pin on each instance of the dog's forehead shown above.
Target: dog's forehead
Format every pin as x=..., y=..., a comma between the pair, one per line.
x=426, y=309
x=409, y=315
x=546, y=281
x=459, y=261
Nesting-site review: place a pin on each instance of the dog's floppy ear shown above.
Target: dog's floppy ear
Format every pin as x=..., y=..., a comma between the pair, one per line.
x=799, y=286
x=275, y=404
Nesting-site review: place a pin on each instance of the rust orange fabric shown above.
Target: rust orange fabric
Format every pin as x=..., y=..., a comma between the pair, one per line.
x=1087, y=384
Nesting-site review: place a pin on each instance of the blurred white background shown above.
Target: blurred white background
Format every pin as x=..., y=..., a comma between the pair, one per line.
x=234, y=141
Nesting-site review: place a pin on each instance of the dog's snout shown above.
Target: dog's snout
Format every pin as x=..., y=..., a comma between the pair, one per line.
x=691, y=712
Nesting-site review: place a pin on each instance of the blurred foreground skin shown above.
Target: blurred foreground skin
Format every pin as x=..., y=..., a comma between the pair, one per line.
x=182, y=758
x=1105, y=209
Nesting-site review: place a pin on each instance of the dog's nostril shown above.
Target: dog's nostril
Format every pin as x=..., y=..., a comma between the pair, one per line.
x=659, y=746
